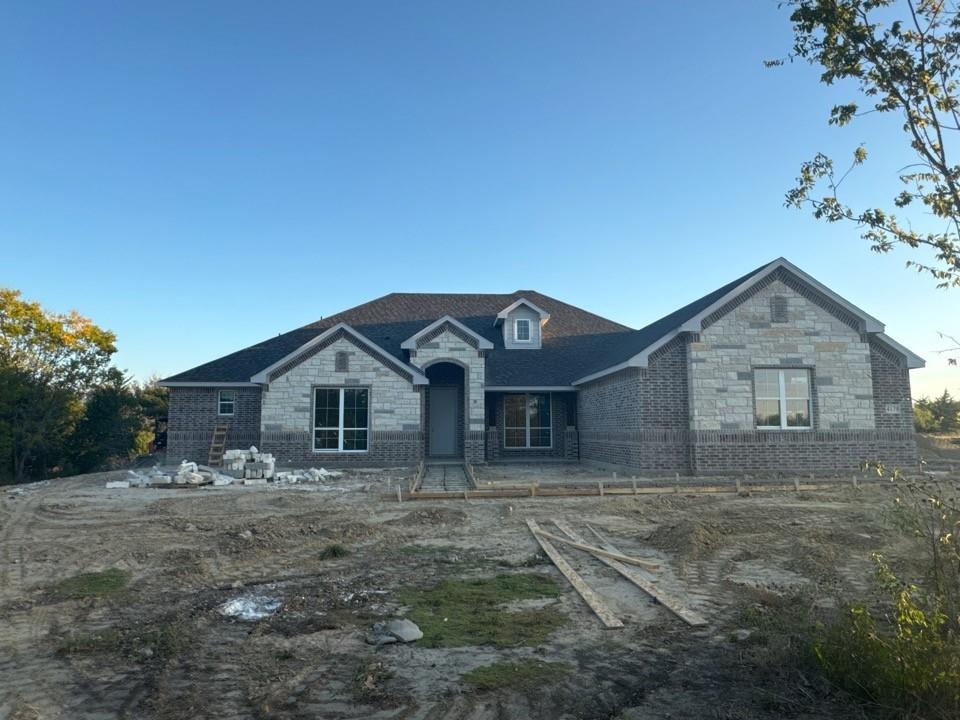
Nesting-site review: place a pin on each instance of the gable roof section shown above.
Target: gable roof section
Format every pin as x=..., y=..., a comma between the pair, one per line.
x=311, y=347
x=635, y=351
x=438, y=326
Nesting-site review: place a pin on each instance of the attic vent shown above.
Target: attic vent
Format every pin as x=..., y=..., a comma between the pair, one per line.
x=778, y=309
x=342, y=362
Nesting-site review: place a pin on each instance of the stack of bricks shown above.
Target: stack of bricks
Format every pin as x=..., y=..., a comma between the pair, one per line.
x=249, y=464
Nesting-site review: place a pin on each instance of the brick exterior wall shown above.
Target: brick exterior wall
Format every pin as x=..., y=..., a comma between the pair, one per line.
x=891, y=389
x=820, y=451
x=649, y=430
x=564, y=442
x=193, y=416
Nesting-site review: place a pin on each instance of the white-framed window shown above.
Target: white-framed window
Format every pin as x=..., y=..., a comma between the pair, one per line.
x=782, y=398
x=521, y=330
x=226, y=402
x=340, y=419
x=526, y=421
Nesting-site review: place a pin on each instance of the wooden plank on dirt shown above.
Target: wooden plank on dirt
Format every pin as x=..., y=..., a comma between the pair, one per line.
x=586, y=592
x=600, y=552
x=672, y=604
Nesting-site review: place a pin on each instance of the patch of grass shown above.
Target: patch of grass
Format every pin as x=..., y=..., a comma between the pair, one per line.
x=98, y=584
x=331, y=552
x=515, y=675
x=103, y=641
x=460, y=612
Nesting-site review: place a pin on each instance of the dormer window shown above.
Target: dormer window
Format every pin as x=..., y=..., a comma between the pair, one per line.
x=522, y=324
x=521, y=329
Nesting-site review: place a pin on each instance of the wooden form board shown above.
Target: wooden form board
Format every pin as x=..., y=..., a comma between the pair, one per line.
x=599, y=552
x=673, y=605
x=586, y=592
x=542, y=491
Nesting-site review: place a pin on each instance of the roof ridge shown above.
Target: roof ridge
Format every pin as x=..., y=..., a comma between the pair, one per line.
x=579, y=309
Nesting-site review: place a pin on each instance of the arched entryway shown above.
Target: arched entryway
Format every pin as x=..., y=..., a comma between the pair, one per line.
x=445, y=410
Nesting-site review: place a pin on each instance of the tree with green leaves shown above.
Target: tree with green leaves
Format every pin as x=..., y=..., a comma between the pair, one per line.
x=112, y=430
x=903, y=57
x=48, y=363
x=940, y=414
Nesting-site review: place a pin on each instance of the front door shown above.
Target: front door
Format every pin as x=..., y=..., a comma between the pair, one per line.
x=443, y=420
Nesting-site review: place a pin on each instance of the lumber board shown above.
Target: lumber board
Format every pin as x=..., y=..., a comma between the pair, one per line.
x=586, y=592
x=670, y=603
x=594, y=550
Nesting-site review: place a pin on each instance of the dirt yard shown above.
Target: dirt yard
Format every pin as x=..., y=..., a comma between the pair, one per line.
x=139, y=634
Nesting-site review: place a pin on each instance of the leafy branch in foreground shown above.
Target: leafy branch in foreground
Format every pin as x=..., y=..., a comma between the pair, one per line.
x=906, y=64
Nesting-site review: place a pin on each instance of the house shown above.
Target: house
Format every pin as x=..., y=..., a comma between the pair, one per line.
x=773, y=372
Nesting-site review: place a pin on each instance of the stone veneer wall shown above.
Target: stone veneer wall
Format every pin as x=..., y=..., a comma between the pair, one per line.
x=448, y=346
x=723, y=360
x=193, y=416
x=395, y=435
x=564, y=445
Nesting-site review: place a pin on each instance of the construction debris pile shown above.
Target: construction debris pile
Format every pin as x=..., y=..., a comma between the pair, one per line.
x=188, y=473
x=240, y=467
x=312, y=475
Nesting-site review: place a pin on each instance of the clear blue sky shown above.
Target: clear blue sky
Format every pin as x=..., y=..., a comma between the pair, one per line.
x=199, y=176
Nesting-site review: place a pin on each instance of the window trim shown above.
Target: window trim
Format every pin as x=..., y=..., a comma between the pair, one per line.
x=527, y=426
x=340, y=428
x=516, y=325
x=783, y=400
x=221, y=401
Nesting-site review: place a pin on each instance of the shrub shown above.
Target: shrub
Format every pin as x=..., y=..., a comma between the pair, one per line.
x=901, y=656
x=905, y=662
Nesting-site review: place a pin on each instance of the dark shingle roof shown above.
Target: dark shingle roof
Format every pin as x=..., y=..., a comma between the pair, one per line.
x=575, y=342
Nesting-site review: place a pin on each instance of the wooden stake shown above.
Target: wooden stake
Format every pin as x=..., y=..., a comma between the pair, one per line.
x=634, y=486
x=600, y=485
x=796, y=484
x=645, y=564
x=737, y=485
x=589, y=596
x=399, y=494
